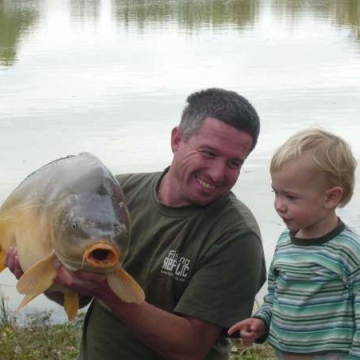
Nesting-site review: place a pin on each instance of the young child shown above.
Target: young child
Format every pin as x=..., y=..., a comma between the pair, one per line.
x=312, y=309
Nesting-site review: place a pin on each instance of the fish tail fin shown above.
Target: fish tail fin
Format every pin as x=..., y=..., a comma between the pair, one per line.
x=125, y=287
x=25, y=301
x=71, y=304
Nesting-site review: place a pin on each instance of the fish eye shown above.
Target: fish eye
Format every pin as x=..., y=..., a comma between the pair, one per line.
x=75, y=225
x=90, y=223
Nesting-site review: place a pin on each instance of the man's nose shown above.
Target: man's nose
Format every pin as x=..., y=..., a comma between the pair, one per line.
x=217, y=171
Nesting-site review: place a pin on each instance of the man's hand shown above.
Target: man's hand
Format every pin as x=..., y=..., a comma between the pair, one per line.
x=11, y=260
x=84, y=283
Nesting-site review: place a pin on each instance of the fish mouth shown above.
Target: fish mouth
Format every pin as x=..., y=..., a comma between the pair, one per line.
x=101, y=255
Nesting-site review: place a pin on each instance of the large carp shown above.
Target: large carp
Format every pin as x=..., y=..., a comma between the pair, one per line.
x=71, y=211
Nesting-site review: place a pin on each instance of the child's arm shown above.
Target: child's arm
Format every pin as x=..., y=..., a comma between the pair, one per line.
x=249, y=330
x=256, y=328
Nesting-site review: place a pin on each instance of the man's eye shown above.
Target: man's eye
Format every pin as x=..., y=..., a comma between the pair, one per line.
x=235, y=164
x=208, y=154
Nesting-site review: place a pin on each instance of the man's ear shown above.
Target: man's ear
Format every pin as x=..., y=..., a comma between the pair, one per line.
x=176, y=138
x=333, y=196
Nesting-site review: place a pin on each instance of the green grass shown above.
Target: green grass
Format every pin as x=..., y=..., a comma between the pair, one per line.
x=254, y=352
x=40, y=339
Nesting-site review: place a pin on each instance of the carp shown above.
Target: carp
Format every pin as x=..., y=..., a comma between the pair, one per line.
x=70, y=212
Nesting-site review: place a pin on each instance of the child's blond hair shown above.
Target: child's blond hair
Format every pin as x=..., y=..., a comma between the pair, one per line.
x=330, y=153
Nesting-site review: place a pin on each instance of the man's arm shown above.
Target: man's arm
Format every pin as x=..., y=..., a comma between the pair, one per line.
x=171, y=336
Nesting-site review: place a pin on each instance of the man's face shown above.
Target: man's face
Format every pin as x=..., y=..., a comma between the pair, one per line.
x=208, y=164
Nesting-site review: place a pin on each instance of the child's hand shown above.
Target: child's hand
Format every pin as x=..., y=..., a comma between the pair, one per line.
x=249, y=330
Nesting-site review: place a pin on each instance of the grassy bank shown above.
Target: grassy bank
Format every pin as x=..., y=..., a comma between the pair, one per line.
x=40, y=339
x=36, y=338
x=255, y=352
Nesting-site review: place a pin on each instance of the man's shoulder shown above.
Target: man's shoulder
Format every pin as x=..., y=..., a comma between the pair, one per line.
x=235, y=206
x=235, y=214
x=235, y=203
x=135, y=178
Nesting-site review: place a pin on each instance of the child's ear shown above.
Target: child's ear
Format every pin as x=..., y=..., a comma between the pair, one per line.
x=333, y=196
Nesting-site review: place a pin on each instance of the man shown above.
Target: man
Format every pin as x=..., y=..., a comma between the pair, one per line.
x=196, y=249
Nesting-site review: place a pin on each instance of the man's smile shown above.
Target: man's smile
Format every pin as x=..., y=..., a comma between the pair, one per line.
x=205, y=184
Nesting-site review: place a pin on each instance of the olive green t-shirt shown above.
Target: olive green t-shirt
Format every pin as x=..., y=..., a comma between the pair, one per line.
x=201, y=261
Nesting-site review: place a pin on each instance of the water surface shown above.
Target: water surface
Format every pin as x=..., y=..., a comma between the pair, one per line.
x=111, y=78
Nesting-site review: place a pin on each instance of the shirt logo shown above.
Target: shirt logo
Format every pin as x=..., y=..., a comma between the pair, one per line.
x=176, y=265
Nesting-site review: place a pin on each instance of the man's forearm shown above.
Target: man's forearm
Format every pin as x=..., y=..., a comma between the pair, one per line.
x=171, y=336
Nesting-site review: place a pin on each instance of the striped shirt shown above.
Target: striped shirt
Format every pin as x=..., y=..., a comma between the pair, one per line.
x=313, y=300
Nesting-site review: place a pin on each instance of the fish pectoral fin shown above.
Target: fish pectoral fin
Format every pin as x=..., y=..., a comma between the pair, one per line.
x=25, y=301
x=71, y=304
x=125, y=287
x=38, y=277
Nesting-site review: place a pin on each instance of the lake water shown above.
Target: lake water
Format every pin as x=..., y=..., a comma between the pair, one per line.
x=111, y=77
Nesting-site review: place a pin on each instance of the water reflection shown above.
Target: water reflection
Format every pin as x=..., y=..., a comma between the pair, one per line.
x=188, y=14
x=349, y=16
x=343, y=14
x=242, y=13
x=16, y=19
x=85, y=9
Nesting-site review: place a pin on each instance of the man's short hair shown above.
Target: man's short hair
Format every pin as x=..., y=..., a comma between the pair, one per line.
x=226, y=106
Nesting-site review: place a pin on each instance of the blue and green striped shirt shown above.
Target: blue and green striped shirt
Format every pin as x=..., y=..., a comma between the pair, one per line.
x=313, y=300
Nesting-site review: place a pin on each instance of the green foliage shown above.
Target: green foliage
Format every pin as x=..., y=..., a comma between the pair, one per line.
x=5, y=318
x=254, y=352
x=38, y=338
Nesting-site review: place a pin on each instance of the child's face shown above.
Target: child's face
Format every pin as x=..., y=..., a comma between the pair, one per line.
x=300, y=198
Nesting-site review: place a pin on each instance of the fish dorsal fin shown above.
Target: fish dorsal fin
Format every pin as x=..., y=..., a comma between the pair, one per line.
x=71, y=304
x=38, y=277
x=25, y=300
x=125, y=287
